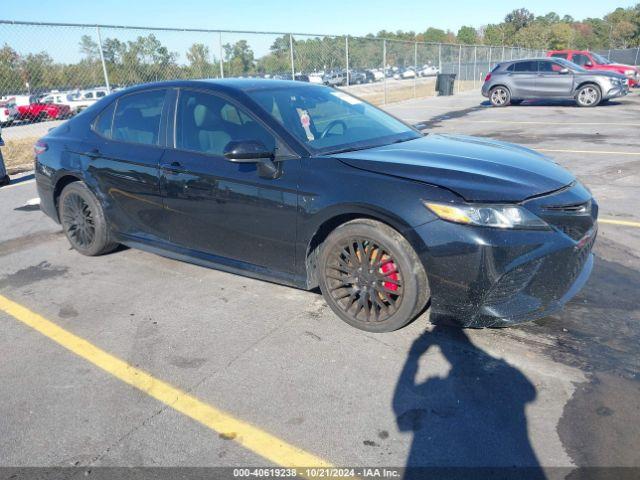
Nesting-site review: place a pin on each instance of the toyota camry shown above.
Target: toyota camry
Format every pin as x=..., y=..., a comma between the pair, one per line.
x=307, y=186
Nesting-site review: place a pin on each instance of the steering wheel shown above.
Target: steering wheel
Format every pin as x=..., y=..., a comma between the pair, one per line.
x=332, y=125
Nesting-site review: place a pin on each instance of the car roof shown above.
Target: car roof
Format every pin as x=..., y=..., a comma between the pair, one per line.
x=234, y=84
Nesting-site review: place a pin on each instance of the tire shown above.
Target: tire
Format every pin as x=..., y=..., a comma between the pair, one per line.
x=500, y=96
x=588, y=95
x=5, y=181
x=379, y=299
x=83, y=221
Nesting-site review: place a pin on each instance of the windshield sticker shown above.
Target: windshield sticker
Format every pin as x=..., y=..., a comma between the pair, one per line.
x=305, y=121
x=347, y=98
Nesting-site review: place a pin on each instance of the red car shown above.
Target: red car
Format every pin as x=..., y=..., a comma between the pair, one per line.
x=36, y=111
x=593, y=61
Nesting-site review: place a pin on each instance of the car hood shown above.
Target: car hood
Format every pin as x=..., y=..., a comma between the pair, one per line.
x=477, y=169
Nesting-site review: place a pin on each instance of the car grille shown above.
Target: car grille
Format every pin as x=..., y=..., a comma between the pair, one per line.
x=572, y=220
x=511, y=283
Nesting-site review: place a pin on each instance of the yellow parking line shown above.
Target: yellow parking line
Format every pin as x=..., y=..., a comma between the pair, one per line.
x=595, y=152
x=253, y=438
x=626, y=223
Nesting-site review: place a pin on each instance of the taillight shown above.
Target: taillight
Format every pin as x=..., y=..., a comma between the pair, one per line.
x=40, y=147
x=488, y=77
x=6, y=111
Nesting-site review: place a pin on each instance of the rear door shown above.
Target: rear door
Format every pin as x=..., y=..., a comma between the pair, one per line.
x=124, y=161
x=523, y=77
x=551, y=82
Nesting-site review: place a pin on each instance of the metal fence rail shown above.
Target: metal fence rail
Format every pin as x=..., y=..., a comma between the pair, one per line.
x=74, y=61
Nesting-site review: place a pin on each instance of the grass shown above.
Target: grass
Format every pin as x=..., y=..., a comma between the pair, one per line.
x=18, y=154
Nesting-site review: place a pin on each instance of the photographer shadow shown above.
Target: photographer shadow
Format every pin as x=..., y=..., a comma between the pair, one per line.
x=472, y=417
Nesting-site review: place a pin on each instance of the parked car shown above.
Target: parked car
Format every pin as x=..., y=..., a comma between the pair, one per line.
x=592, y=61
x=335, y=79
x=8, y=113
x=378, y=75
x=509, y=83
x=37, y=111
x=4, y=178
x=307, y=186
x=315, y=78
x=301, y=77
x=428, y=71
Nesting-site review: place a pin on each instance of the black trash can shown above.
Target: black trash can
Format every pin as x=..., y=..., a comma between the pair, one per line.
x=444, y=83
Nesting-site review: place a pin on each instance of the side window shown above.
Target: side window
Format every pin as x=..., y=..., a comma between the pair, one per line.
x=547, y=67
x=100, y=94
x=206, y=123
x=580, y=59
x=560, y=55
x=511, y=68
x=102, y=124
x=527, y=67
x=137, y=117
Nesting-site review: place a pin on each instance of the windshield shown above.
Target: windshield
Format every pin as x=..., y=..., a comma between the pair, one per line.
x=570, y=65
x=327, y=120
x=600, y=59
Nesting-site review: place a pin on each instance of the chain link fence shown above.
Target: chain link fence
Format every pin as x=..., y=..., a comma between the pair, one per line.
x=628, y=56
x=49, y=72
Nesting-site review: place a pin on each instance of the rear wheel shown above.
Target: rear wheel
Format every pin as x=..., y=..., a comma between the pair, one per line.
x=83, y=221
x=371, y=277
x=500, y=96
x=588, y=96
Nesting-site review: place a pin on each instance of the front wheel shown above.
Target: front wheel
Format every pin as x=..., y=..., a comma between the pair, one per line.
x=83, y=221
x=500, y=96
x=371, y=277
x=588, y=96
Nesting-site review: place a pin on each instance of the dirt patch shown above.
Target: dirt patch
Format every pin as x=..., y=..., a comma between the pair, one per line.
x=18, y=154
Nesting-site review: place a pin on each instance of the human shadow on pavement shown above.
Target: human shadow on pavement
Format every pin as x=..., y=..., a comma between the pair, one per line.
x=471, y=421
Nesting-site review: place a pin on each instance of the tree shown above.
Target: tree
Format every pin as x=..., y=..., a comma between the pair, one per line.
x=198, y=57
x=519, y=18
x=89, y=48
x=434, y=35
x=239, y=58
x=467, y=35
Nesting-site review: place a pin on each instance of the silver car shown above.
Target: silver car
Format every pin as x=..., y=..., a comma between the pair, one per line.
x=509, y=83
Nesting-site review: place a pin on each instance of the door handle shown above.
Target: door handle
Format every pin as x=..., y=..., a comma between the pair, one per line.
x=93, y=153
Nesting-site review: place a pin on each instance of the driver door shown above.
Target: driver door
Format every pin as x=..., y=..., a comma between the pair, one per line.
x=223, y=208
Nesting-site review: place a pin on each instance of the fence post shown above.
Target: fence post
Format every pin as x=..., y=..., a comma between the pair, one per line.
x=415, y=66
x=293, y=70
x=459, y=65
x=104, y=65
x=384, y=69
x=440, y=57
x=637, y=52
x=220, y=52
x=475, y=64
x=503, y=53
x=489, y=60
x=346, y=56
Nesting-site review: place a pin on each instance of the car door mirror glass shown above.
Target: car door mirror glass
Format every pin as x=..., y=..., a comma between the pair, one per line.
x=247, y=151
x=588, y=64
x=564, y=71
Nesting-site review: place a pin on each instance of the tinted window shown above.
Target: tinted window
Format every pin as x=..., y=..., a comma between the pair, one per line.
x=207, y=123
x=137, y=117
x=580, y=59
x=327, y=120
x=100, y=94
x=526, y=67
x=560, y=55
x=103, y=123
x=548, y=67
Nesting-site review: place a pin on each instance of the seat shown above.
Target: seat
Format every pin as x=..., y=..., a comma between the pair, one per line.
x=212, y=137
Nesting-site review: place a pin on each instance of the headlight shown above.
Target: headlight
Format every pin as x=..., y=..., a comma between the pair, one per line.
x=497, y=216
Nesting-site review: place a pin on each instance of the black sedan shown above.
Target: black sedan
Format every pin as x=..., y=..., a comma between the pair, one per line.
x=310, y=187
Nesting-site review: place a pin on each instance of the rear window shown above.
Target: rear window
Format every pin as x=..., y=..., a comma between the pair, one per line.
x=560, y=55
x=102, y=125
x=137, y=117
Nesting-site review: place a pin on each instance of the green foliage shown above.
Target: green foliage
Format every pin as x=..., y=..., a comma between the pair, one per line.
x=467, y=35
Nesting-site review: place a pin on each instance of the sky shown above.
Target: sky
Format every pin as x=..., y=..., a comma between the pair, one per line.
x=355, y=17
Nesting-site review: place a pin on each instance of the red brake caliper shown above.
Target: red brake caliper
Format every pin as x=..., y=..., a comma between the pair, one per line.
x=386, y=268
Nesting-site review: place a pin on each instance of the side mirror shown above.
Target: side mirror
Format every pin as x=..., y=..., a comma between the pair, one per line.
x=588, y=64
x=249, y=151
x=564, y=71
